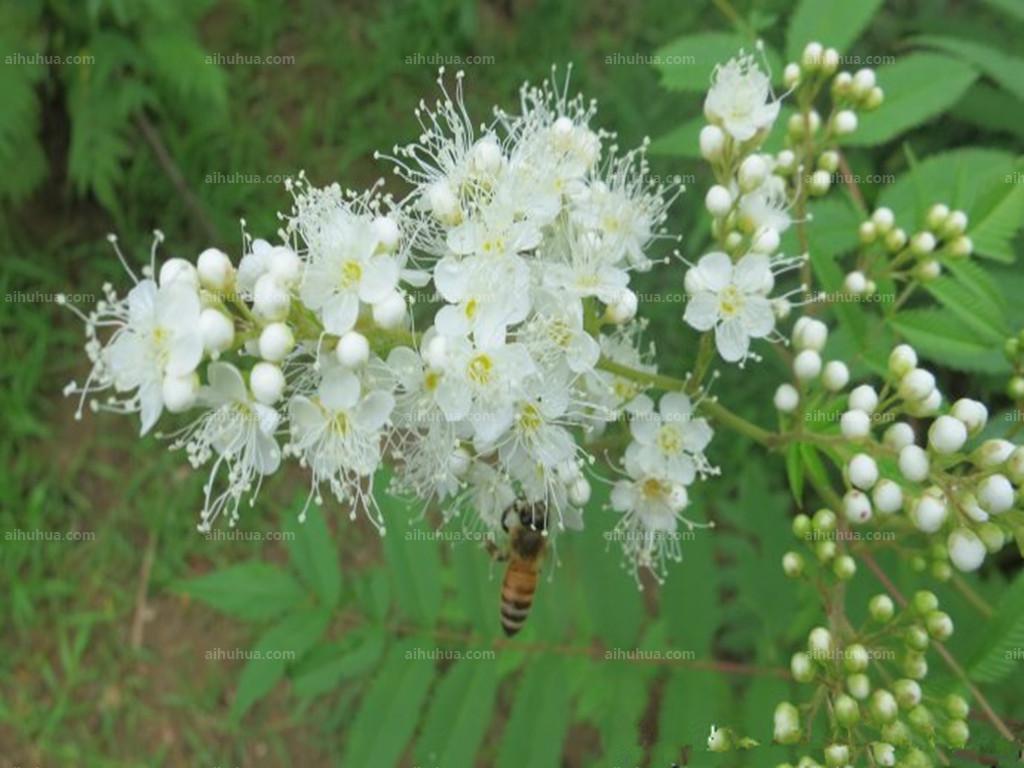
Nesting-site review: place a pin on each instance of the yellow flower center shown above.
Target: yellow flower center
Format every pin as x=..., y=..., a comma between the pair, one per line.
x=669, y=440
x=730, y=301
x=471, y=308
x=652, y=489
x=431, y=380
x=480, y=369
x=560, y=333
x=351, y=273
x=529, y=418
x=340, y=424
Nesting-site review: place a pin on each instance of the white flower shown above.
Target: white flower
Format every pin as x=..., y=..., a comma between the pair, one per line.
x=669, y=441
x=740, y=99
x=650, y=505
x=240, y=431
x=337, y=434
x=484, y=297
x=556, y=338
x=731, y=299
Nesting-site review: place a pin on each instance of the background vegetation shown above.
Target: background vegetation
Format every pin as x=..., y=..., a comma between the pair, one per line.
x=185, y=116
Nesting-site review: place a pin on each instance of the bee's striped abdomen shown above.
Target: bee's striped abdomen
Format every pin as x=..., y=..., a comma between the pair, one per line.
x=517, y=590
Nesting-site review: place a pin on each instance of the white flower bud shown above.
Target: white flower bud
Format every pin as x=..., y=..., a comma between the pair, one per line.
x=786, y=724
x=884, y=706
x=867, y=232
x=811, y=58
x=856, y=283
x=284, y=264
x=887, y=496
x=969, y=504
x=922, y=243
x=930, y=511
x=801, y=667
x=973, y=414
x=807, y=365
x=902, y=360
x=819, y=643
x=623, y=309
x=753, y=171
x=214, y=269
x=857, y=507
x=270, y=299
x=179, y=393
x=927, y=407
x=217, y=331
x=947, y=435
x=995, y=494
x=579, y=492
x=435, y=351
x=992, y=453
x=863, y=82
x=895, y=240
x=961, y=247
x=353, y=349
x=712, y=142
x=864, y=398
x=459, y=461
x=830, y=61
x=928, y=270
x=966, y=551
x=809, y=333
x=276, y=341
x=786, y=398
x=917, y=384
x=178, y=271
x=785, y=161
x=883, y=219
x=766, y=241
x=845, y=122
x=486, y=156
x=956, y=224
x=863, y=471
x=855, y=424
x=837, y=755
x=835, y=376
x=791, y=74
x=266, y=382
x=899, y=435
x=389, y=312
x=1015, y=465
x=820, y=182
x=884, y=754
x=718, y=201
x=907, y=692
x=913, y=462
x=859, y=686
x=442, y=202
x=385, y=229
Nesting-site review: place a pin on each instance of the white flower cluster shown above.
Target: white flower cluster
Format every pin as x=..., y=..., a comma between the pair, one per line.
x=528, y=228
x=950, y=480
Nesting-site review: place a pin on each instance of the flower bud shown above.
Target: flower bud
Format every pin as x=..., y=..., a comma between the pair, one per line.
x=801, y=667
x=864, y=398
x=920, y=719
x=895, y=240
x=179, y=393
x=907, y=692
x=913, y=463
x=820, y=182
x=898, y=436
x=995, y=494
x=217, y=331
x=956, y=706
x=887, y=497
x=883, y=753
x=881, y=608
x=992, y=453
x=353, y=349
x=718, y=201
x=902, y=360
x=801, y=526
x=845, y=122
x=809, y=333
x=883, y=707
x=845, y=568
x=720, y=740
x=791, y=74
x=786, y=723
x=824, y=521
x=855, y=283
x=178, y=271
x=936, y=217
x=807, y=365
x=862, y=471
x=792, y=564
x=956, y=733
x=966, y=550
x=940, y=625
x=971, y=413
x=924, y=602
x=270, y=298
x=835, y=376
x=819, y=643
x=752, y=173
x=916, y=384
x=856, y=658
x=961, y=247
x=275, y=342
x=266, y=382
x=825, y=550
x=847, y=710
x=859, y=686
x=837, y=755
x=786, y=398
x=922, y=244
x=991, y=536
x=855, y=424
x=856, y=507
x=947, y=435
x=214, y=269
x=867, y=233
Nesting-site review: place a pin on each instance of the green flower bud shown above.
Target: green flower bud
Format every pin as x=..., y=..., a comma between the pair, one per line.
x=844, y=567
x=1012, y=347
x=942, y=571
x=884, y=753
x=825, y=550
x=940, y=625
x=856, y=658
x=792, y=564
x=956, y=733
x=918, y=563
x=881, y=608
x=1015, y=388
x=908, y=693
x=916, y=759
x=991, y=536
x=802, y=667
x=896, y=733
x=956, y=706
x=859, y=686
x=720, y=740
x=925, y=601
x=883, y=707
x=819, y=644
x=921, y=720
x=824, y=521
x=837, y=755
x=916, y=638
x=847, y=710
x=915, y=666
x=801, y=526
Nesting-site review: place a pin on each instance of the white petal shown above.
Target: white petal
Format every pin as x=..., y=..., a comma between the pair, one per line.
x=675, y=407
x=374, y=411
x=758, y=318
x=752, y=272
x=340, y=313
x=702, y=311
x=151, y=405
x=185, y=353
x=715, y=270
x=732, y=340
x=339, y=390
x=380, y=276
x=227, y=383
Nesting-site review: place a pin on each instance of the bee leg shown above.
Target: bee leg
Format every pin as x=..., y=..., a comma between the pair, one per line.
x=495, y=552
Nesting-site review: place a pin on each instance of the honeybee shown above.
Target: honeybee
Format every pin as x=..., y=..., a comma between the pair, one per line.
x=527, y=542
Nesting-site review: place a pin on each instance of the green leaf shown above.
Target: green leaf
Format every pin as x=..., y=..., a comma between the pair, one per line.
x=458, y=714
x=795, y=473
x=991, y=109
x=975, y=311
x=1000, y=642
x=1003, y=68
x=917, y=88
x=686, y=63
x=311, y=553
x=683, y=141
x=620, y=689
x=413, y=561
x=998, y=215
x=280, y=647
x=691, y=702
x=1011, y=8
x=539, y=718
x=254, y=591
x=178, y=62
x=390, y=710
x=324, y=669
x=940, y=336
x=833, y=23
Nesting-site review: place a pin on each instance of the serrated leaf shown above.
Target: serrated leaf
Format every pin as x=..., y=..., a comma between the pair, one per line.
x=390, y=710
x=998, y=215
x=458, y=714
x=917, y=88
x=312, y=554
x=833, y=23
x=178, y=61
x=1003, y=68
x=539, y=718
x=1001, y=643
x=279, y=647
x=326, y=669
x=254, y=591
x=975, y=311
x=686, y=63
x=941, y=337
